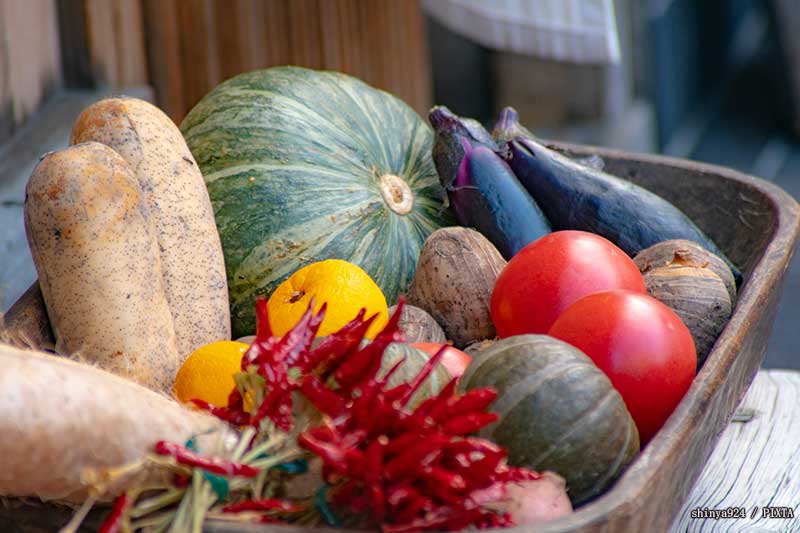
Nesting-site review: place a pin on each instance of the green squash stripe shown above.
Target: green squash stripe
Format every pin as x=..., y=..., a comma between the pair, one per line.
x=292, y=159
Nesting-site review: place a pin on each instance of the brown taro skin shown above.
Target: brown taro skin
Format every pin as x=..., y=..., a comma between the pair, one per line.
x=175, y=195
x=98, y=263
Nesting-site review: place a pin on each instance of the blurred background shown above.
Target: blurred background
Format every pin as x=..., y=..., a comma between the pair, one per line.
x=715, y=81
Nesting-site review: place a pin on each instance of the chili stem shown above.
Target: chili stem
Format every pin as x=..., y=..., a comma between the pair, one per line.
x=274, y=460
x=244, y=441
x=73, y=525
x=258, y=486
x=157, y=502
x=159, y=522
x=263, y=448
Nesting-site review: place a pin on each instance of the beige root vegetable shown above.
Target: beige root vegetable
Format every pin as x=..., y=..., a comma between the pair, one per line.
x=537, y=501
x=61, y=421
x=175, y=194
x=694, y=283
x=419, y=326
x=98, y=263
x=455, y=276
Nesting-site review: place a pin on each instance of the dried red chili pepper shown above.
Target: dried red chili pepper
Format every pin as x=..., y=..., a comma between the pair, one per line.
x=405, y=464
x=353, y=369
x=335, y=346
x=324, y=399
x=236, y=418
x=476, y=400
x=342, y=460
x=468, y=423
x=372, y=477
x=113, y=521
x=214, y=465
x=421, y=376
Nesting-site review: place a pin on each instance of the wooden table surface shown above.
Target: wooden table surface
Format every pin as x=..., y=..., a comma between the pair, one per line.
x=755, y=465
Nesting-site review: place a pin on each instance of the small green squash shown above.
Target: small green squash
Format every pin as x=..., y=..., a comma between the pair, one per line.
x=414, y=361
x=305, y=165
x=558, y=412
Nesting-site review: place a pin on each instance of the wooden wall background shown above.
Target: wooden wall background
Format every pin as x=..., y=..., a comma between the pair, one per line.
x=30, y=62
x=183, y=48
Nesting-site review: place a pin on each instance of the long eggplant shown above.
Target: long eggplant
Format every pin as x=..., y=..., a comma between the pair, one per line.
x=448, y=148
x=573, y=196
x=507, y=128
x=481, y=188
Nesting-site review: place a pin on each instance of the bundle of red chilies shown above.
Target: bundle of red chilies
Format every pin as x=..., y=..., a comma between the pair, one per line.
x=403, y=469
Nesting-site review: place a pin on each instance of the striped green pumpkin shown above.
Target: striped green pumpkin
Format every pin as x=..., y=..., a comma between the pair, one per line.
x=415, y=359
x=558, y=412
x=304, y=165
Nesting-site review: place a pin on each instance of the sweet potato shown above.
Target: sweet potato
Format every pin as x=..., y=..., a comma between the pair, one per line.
x=60, y=419
x=98, y=263
x=175, y=194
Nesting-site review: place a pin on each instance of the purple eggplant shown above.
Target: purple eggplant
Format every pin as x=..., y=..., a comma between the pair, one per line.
x=481, y=188
x=574, y=196
x=507, y=128
x=448, y=147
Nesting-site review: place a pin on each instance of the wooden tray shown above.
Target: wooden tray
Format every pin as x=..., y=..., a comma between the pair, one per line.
x=756, y=224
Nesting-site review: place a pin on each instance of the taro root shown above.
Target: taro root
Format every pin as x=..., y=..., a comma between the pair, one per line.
x=694, y=283
x=418, y=326
x=455, y=276
x=473, y=348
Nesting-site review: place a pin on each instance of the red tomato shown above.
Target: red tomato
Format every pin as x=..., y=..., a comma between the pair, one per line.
x=552, y=273
x=454, y=360
x=641, y=344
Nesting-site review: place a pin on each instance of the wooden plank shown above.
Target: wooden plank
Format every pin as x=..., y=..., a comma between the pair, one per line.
x=755, y=468
x=164, y=56
x=200, y=59
x=75, y=64
x=116, y=45
x=379, y=41
x=30, y=63
x=129, y=41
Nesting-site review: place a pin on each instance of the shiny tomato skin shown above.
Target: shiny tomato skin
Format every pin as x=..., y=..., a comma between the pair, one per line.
x=552, y=273
x=642, y=346
x=454, y=360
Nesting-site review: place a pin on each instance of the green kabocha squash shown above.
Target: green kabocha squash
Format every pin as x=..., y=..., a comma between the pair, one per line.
x=305, y=165
x=415, y=359
x=558, y=412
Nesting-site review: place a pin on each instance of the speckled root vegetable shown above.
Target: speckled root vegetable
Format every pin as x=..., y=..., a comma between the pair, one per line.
x=694, y=283
x=419, y=326
x=176, y=197
x=536, y=501
x=62, y=420
x=98, y=263
x=455, y=276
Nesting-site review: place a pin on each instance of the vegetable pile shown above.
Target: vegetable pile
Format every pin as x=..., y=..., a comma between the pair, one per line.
x=584, y=306
x=383, y=464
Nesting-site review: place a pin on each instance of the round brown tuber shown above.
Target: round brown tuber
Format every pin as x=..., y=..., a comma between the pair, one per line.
x=419, y=326
x=473, y=348
x=687, y=278
x=687, y=253
x=455, y=276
